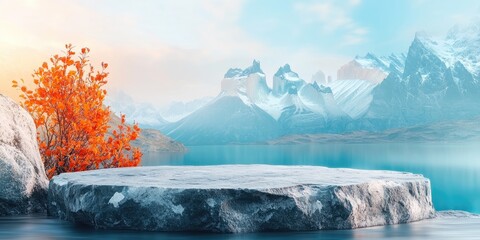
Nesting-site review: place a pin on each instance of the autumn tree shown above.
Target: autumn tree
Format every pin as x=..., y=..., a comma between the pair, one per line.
x=66, y=104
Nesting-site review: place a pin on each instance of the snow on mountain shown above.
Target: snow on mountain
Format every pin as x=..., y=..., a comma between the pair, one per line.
x=320, y=98
x=249, y=85
x=371, y=68
x=227, y=119
x=286, y=81
x=357, y=79
x=300, y=106
x=438, y=80
x=311, y=110
x=233, y=116
x=461, y=44
x=459, y=57
x=465, y=42
x=247, y=110
x=353, y=96
x=292, y=91
x=286, y=85
x=145, y=114
x=436, y=65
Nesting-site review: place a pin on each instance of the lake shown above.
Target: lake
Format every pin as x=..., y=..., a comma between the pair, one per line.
x=453, y=168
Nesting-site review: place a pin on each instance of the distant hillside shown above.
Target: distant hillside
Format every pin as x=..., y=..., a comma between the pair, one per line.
x=451, y=131
x=151, y=140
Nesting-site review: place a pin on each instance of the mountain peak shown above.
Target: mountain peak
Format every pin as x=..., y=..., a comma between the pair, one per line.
x=321, y=88
x=371, y=56
x=421, y=36
x=286, y=81
x=237, y=72
x=233, y=72
x=285, y=69
x=254, y=68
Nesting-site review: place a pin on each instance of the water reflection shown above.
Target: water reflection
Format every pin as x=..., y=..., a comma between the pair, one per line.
x=41, y=227
x=454, y=169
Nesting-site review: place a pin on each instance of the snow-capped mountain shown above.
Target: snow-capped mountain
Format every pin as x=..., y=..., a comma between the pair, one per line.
x=304, y=107
x=233, y=116
x=448, y=66
x=353, y=96
x=227, y=119
x=286, y=81
x=249, y=84
x=352, y=90
x=371, y=68
x=440, y=81
x=437, y=80
x=247, y=110
x=145, y=114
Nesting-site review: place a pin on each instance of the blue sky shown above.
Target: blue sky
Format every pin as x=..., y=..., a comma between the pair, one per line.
x=368, y=26
x=171, y=50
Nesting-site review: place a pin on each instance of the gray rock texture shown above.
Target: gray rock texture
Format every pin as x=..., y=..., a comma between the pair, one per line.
x=239, y=198
x=23, y=184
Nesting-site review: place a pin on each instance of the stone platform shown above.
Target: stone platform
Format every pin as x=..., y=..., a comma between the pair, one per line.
x=239, y=198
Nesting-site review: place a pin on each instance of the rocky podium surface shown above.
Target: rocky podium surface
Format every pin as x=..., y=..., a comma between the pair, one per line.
x=23, y=183
x=239, y=198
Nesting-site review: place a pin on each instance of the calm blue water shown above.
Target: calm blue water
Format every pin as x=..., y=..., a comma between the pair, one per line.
x=454, y=171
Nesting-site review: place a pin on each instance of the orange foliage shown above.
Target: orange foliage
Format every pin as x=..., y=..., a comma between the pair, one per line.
x=67, y=107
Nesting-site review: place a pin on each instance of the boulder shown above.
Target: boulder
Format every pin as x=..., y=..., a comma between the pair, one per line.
x=239, y=198
x=22, y=175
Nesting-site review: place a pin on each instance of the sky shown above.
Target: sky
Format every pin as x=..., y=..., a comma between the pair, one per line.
x=160, y=51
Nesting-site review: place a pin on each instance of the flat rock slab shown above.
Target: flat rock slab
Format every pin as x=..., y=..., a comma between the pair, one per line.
x=239, y=198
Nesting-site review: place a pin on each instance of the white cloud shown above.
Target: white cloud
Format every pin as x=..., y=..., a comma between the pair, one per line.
x=334, y=18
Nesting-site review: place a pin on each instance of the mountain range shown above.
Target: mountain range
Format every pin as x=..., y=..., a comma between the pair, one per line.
x=145, y=114
x=436, y=80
